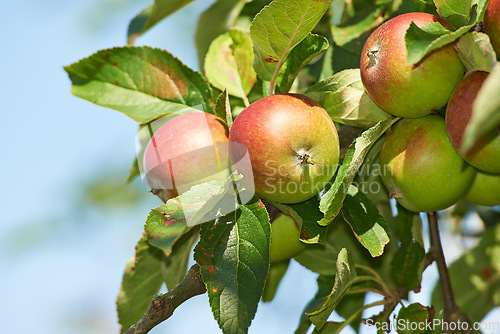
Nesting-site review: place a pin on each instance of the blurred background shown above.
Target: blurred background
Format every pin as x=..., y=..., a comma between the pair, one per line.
x=68, y=222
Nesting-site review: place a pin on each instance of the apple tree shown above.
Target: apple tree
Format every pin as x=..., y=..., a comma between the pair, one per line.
x=324, y=131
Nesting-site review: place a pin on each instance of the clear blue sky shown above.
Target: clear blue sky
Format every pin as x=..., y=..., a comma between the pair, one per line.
x=60, y=261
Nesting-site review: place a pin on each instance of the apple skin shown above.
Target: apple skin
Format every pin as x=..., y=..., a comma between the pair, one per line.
x=408, y=90
x=485, y=189
x=492, y=24
x=285, y=241
x=185, y=145
x=485, y=155
x=420, y=167
x=293, y=146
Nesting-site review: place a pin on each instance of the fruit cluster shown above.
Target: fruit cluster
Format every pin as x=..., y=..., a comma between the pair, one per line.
x=426, y=167
x=293, y=143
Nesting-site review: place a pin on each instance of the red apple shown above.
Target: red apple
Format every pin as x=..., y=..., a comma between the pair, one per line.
x=408, y=90
x=485, y=154
x=485, y=189
x=421, y=169
x=292, y=143
x=186, y=151
x=492, y=24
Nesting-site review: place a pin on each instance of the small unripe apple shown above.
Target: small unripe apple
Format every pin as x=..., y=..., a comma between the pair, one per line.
x=408, y=90
x=485, y=189
x=293, y=146
x=420, y=167
x=492, y=24
x=285, y=241
x=485, y=154
x=185, y=151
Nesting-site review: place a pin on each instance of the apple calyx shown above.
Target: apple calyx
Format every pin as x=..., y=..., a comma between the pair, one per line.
x=372, y=56
x=304, y=158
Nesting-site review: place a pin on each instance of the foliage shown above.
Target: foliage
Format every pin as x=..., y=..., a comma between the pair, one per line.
x=357, y=240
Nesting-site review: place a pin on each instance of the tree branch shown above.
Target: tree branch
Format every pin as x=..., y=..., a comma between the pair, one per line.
x=163, y=305
x=452, y=312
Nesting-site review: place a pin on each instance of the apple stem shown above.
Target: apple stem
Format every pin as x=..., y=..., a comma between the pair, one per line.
x=452, y=312
x=163, y=305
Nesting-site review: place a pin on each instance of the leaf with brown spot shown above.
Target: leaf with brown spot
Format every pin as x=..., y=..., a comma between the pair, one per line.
x=144, y=85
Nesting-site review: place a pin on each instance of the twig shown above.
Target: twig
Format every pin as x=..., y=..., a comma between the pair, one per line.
x=163, y=305
x=451, y=312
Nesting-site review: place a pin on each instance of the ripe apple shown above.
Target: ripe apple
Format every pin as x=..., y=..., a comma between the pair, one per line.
x=420, y=167
x=492, y=24
x=485, y=189
x=485, y=155
x=285, y=241
x=186, y=151
x=292, y=143
x=408, y=90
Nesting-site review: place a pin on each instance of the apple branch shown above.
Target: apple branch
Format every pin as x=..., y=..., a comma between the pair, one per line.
x=452, y=312
x=163, y=305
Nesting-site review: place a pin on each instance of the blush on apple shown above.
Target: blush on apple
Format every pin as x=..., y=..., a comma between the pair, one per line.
x=293, y=146
x=185, y=151
x=492, y=24
x=421, y=169
x=485, y=154
x=408, y=90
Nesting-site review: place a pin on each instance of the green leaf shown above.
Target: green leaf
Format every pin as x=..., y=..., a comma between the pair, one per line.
x=421, y=41
x=344, y=278
x=307, y=215
x=476, y=52
x=141, y=82
x=216, y=20
x=475, y=278
x=418, y=316
x=456, y=12
x=278, y=28
x=345, y=34
x=276, y=272
x=348, y=306
x=134, y=172
x=485, y=110
x=169, y=221
x=407, y=265
x=233, y=254
x=309, y=48
x=229, y=63
x=223, y=108
x=165, y=226
x=141, y=281
x=366, y=222
x=174, y=266
x=325, y=286
x=346, y=101
x=151, y=16
x=332, y=200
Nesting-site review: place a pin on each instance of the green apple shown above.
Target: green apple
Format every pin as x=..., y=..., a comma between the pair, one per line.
x=408, y=90
x=285, y=241
x=185, y=151
x=485, y=154
x=293, y=146
x=485, y=189
x=492, y=24
x=420, y=167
